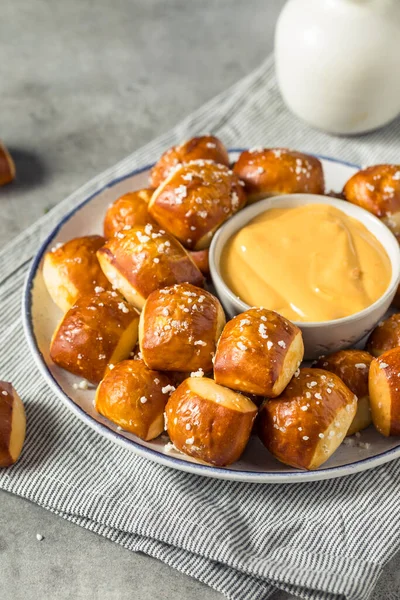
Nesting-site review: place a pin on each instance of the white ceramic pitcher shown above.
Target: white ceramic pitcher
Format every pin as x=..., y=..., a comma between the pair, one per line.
x=338, y=62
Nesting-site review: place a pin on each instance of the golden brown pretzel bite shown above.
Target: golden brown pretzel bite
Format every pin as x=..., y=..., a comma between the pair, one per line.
x=352, y=366
x=384, y=391
x=195, y=200
x=385, y=336
x=99, y=329
x=275, y=171
x=209, y=422
x=134, y=398
x=129, y=210
x=179, y=328
x=306, y=424
x=145, y=259
x=12, y=425
x=377, y=189
x=206, y=147
x=258, y=353
x=201, y=259
x=72, y=270
x=7, y=166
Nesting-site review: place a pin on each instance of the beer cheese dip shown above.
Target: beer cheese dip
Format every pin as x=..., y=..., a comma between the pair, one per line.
x=310, y=263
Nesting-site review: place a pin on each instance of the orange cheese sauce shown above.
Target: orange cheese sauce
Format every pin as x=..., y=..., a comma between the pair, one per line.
x=309, y=263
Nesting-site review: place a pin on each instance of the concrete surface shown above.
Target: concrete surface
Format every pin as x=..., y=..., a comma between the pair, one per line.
x=84, y=83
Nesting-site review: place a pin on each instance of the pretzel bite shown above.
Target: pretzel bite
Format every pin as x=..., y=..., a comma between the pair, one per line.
x=7, y=166
x=275, y=171
x=145, y=259
x=195, y=200
x=384, y=391
x=12, y=425
x=99, y=329
x=179, y=328
x=352, y=366
x=209, y=422
x=377, y=189
x=385, y=336
x=258, y=353
x=129, y=210
x=134, y=398
x=201, y=259
x=308, y=422
x=206, y=147
x=72, y=270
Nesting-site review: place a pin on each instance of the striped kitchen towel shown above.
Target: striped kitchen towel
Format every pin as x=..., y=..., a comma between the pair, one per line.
x=320, y=540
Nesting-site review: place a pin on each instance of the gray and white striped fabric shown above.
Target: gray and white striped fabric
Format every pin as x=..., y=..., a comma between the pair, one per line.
x=320, y=540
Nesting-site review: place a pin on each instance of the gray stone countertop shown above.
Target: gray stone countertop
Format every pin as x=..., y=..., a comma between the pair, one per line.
x=83, y=84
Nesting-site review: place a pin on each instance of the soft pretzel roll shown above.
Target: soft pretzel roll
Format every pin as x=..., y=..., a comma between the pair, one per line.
x=309, y=420
x=99, y=329
x=274, y=171
x=145, y=259
x=7, y=166
x=377, y=189
x=352, y=366
x=384, y=391
x=209, y=422
x=385, y=336
x=72, y=270
x=134, y=398
x=179, y=328
x=258, y=353
x=12, y=425
x=206, y=147
x=129, y=210
x=195, y=200
x=201, y=259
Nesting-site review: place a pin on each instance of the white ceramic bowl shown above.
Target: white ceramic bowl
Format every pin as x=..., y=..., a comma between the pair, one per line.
x=319, y=337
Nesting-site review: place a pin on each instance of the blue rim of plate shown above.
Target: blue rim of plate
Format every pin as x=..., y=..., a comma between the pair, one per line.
x=154, y=455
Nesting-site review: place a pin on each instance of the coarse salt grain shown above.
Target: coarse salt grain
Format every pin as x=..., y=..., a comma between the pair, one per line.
x=4, y=393
x=383, y=365
x=304, y=408
x=143, y=399
x=156, y=260
x=167, y=389
x=200, y=343
x=262, y=330
x=98, y=289
x=241, y=346
x=269, y=344
x=188, y=426
x=123, y=307
x=39, y=537
x=321, y=435
x=282, y=344
x=305, y=438
x=360, y=366
x=318, y=395
x=190, y=441
x=199, y=373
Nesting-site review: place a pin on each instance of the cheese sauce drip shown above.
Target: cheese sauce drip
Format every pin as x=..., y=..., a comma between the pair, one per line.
x=309, y=263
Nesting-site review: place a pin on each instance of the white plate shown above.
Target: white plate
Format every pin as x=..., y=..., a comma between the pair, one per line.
x=41, y=315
